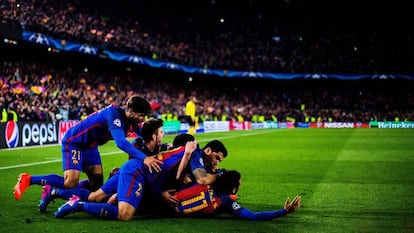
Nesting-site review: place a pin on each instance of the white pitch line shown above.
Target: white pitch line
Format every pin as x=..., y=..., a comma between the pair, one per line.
x=120, y=152
x=51, y=161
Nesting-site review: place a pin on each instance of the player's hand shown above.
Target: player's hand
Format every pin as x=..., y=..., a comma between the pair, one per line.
x=153, y=164
x=113, y=198
x=191, y=146
x=169, y=198
x=186, y=180
x=169, y=146
x=291, y=207
x=189, y=149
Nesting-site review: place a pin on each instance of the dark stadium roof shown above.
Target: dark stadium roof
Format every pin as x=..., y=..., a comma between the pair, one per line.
x=367, y=15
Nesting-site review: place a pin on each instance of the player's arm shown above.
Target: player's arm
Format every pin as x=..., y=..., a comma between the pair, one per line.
x=244, y=213
x=165, y=147
x=189, y=148
x=236, y=210
x=115, y=127
x=204, y=178
x=264, y=215
x=123, y=144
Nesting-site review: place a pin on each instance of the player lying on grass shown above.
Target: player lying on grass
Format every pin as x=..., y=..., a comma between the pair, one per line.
x=131, y=181
x=208, y=200
x=211, y=200
x=80, y=146
x=198, y=200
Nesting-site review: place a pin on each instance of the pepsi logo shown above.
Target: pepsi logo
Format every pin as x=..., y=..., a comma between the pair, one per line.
x=12, y=134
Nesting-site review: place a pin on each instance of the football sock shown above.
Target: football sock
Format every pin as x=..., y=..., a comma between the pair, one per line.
x=83, y=184
x=67, y=193
x=52, y=180
x=102, y=210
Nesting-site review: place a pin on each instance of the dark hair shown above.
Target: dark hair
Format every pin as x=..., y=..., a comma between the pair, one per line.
x=182, y=139
x=217, y=146
x=139, y=104
x=150, y=127
x=227, y=181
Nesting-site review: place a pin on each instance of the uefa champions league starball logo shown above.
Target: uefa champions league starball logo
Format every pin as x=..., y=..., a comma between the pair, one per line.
x=39, y=39
x=136, y=59
x=87, y=49
x=11, y=134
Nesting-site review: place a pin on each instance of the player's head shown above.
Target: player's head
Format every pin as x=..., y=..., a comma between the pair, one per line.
x=182, y=139
x=228, y=182
x=113, y=171
x=217, y=146
x=137, y=108
x=152, y=130
x=215, y=152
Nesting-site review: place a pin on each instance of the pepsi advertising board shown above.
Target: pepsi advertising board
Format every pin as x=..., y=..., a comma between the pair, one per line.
x=26, y=133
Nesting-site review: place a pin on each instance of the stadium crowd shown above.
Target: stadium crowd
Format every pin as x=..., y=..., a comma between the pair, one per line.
x=36, y=91
x=41, y=92
x=252, y=41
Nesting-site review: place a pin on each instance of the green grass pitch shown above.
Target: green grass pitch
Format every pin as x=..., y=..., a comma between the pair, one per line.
x=350, y=180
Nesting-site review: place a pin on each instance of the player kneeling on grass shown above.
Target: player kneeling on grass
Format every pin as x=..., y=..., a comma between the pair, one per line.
x=80, y=147
x=150, y=130
x=152, y=134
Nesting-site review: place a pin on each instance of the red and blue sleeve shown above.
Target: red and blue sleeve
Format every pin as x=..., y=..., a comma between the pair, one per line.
x=264, y=215
x=236, y=210
x=125, y=145
x=116, y=127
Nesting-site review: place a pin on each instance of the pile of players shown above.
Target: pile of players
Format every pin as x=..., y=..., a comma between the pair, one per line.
x=178, y=179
